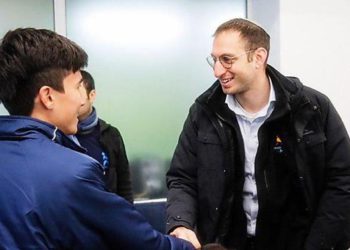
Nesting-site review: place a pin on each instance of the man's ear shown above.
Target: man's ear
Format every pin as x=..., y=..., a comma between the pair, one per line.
x=46, y=97
x=261, y=57
x=92, y=95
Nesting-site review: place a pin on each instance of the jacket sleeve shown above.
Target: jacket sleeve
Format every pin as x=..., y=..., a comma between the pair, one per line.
x=182, y=180
x=124, y=187
x=330, y=227
x=96, y=215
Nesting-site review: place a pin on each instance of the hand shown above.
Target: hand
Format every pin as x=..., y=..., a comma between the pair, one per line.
x=186, y=234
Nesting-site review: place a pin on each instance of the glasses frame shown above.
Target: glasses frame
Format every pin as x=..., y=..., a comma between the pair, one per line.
x=211, y=60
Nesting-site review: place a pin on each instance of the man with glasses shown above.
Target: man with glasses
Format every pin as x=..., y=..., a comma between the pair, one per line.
x=263, y=162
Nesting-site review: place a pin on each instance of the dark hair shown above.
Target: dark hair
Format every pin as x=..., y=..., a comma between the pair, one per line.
x=255, y=36
x=88, y=81
x=31, y=58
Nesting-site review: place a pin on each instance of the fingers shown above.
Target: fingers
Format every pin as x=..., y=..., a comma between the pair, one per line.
x=186, y=234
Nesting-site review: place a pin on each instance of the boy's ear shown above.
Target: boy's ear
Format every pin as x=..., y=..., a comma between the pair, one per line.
x=92, y=95
x=46, y=97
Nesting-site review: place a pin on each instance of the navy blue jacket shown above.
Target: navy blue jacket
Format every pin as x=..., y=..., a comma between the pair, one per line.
x=54, y=197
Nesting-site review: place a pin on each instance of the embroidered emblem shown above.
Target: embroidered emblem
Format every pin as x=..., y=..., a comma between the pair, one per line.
x=278, y=147
x=278, y=140
x=105, y=160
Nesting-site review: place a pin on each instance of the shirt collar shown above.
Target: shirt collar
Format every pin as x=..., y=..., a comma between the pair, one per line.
x=234, y=105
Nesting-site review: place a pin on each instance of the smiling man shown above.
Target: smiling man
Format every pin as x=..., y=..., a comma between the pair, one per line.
x=53, y=196
x=262, y=162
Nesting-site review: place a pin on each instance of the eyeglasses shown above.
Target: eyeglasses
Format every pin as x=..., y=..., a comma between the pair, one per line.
x=225, y=60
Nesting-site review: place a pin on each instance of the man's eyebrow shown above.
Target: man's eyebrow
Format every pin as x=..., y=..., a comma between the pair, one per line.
x=229, y=55
x=225, y=54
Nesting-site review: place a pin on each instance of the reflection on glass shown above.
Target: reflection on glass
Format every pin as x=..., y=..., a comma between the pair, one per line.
x=148, y=61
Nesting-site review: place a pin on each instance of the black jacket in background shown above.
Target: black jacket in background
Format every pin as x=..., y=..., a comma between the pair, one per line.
x=303, y=177
x=118, y=173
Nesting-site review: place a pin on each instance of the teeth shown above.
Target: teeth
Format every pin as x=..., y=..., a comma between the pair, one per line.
x=226, y=80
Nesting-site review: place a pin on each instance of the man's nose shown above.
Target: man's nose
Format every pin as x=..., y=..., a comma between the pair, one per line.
x=219, y=70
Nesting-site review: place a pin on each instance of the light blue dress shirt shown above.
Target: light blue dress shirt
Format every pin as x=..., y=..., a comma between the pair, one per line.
x=249, y=125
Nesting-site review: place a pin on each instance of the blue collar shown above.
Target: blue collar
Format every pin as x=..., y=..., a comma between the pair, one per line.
x=22, y=127
x=88, y=123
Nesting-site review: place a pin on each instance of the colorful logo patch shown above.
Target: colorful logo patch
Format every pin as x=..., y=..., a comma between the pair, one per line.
x=278, y=147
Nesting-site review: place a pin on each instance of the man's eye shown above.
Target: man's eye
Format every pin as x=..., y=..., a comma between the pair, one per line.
x=227, y=59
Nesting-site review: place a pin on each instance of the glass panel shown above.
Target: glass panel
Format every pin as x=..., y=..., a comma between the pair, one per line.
x=23, y=13
x=148, y=61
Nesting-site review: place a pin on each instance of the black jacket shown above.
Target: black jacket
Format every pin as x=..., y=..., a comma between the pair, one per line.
x=118, y=173
x=303, y=177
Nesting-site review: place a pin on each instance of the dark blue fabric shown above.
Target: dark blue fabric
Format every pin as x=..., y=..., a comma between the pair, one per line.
x=154, y=213
x=91, y=142
x=89, y=135
x=54, y=197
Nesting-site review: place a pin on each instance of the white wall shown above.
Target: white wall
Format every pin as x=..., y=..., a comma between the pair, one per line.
x=313, y=39
x=266, y=13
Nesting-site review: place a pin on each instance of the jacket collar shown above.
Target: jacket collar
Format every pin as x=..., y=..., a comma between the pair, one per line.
x=22, y=127
x=89, y=123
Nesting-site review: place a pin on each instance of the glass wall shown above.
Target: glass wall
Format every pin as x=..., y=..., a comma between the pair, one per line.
x=148, y=61
x=23, y=13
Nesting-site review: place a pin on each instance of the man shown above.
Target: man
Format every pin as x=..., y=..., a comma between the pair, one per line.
x=103, y=143
x=262, y=162
x=52, y=195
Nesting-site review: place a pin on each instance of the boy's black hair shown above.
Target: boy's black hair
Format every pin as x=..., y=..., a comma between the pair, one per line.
x=31, y=58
